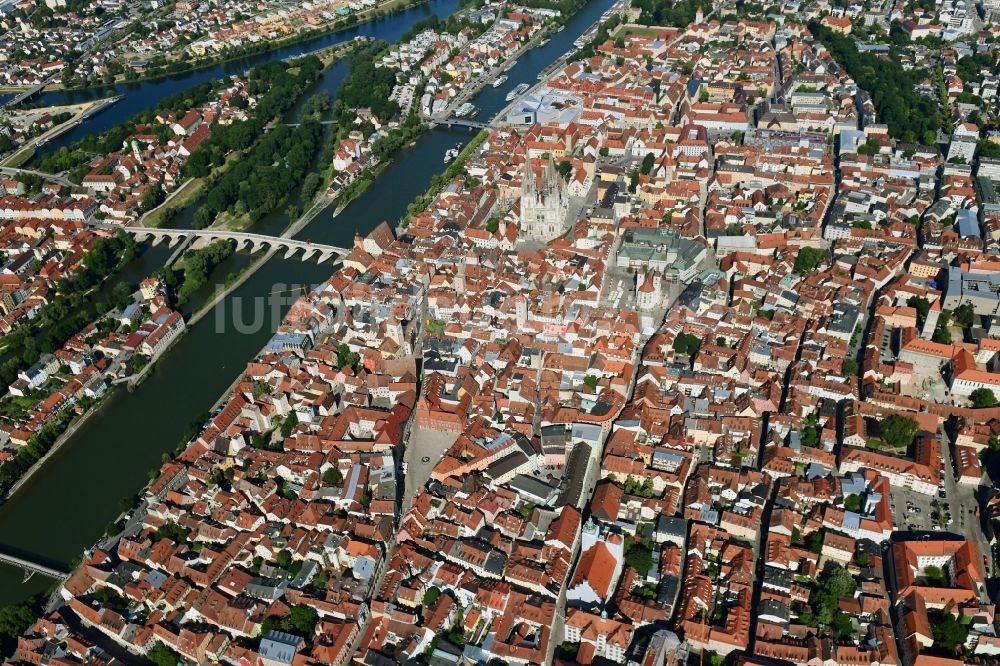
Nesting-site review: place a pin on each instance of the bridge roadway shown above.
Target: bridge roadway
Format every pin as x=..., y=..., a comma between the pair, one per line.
x=449, y=121
x=31, y=568
x=243, y=240
x=31, y=92
x=12, y=171
x=462, y=122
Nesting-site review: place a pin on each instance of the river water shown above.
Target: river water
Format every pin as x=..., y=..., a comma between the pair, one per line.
x=66, y=506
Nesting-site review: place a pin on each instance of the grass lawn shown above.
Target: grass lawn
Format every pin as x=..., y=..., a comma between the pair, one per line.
x=16, y=407
x=641, y=30
x=20, y=157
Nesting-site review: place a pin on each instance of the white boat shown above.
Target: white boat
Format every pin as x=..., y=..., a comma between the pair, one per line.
x=511, y=64
x=544, y=42
x=521, y=87
x=500, y=80
x=450, y=155
x=465, y=110
x=560, y=28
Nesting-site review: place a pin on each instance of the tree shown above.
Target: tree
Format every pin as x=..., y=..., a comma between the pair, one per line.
x=647, y=163
x=347, y=358
x=332, y=477
x=922, y=306
x=898, y=431
x=302, y=619
x=431, y=595
x=638, y=555
x=870, y=147
x=151, y=198
x=824, y=602
x=983, y=397
x=965, y=315
x=688, y=344
x=852, y=503
x=199, y=264
x=942, y=334
x=842, y=624
x=948, y=632
x=14, y=621
x=310, y=185
x=161, y=655
x=172, y=531
x=808, y=259
x=849, y=366
x=934, y=576
x=590, y=381
x=289, y=424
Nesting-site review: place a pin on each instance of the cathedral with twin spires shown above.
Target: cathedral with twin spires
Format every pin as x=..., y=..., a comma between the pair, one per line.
x=544, y=204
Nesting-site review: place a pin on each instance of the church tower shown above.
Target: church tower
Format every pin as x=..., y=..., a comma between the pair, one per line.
x=544, y=206
x=647, y=291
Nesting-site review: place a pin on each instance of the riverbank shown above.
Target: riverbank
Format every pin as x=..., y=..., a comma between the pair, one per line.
x=439, y=180
x=66, y=435
x=487, y=78
x=80, y=113
x=340, y=25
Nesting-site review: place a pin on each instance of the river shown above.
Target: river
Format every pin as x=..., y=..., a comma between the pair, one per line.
x=66, y=506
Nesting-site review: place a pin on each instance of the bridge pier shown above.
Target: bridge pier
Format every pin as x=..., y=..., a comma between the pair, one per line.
x=243, y=241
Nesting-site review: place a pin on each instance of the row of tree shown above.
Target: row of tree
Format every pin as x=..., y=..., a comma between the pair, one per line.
x=278, y=86
x=266, y=176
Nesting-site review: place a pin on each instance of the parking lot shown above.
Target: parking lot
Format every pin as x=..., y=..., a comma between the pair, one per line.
x=952, y=509
x=917, y=512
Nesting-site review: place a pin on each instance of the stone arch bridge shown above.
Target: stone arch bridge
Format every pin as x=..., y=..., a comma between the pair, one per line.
x=245, y=242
